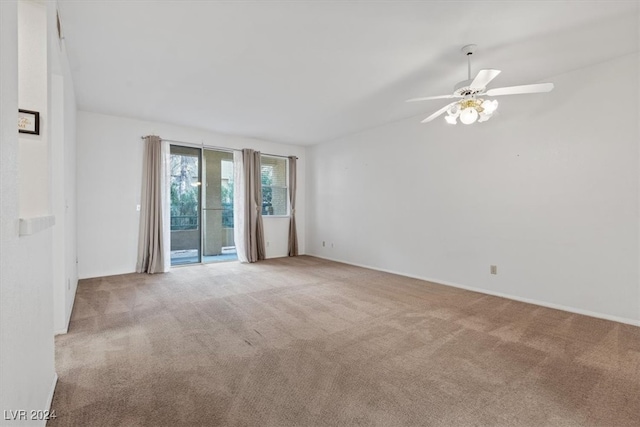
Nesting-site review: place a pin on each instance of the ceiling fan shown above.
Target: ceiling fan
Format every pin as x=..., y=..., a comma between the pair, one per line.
x=470, y=106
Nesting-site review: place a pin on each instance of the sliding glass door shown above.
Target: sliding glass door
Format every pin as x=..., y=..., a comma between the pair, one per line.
x=185, y=205
x=201, y=215
x=217, y=201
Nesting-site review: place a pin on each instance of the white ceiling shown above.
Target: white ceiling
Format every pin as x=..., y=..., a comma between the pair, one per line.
x=304, y=72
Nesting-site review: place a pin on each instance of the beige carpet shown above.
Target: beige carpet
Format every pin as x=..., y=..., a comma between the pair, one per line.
x=307, y=342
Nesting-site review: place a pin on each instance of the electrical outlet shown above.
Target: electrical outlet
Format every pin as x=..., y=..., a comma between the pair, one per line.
x=323, y=243
x=267, y=243
x=331, y=244
x=494, y=269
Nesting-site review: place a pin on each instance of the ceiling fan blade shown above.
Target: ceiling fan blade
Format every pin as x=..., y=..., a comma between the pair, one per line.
x=516, y=90
x=437, y=113
x=483, y=78
x=427, y=98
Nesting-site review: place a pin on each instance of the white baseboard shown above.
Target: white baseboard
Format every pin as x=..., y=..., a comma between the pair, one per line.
x=497, y=294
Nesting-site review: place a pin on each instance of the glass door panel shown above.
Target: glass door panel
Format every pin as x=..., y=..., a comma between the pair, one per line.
x=185, y=205
x=217, y=211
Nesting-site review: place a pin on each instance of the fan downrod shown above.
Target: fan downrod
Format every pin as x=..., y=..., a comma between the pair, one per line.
x=462, y=88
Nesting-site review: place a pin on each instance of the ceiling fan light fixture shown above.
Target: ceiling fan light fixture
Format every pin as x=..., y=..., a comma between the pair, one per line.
x=472, y=108
x=451, y=119
x=469, y=115
x=490, y=106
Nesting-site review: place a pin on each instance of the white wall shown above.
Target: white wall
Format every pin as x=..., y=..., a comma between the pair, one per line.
x=35, y=191
x=62, y=124
x=26, y=332
x=547, y=190
x=109, y=182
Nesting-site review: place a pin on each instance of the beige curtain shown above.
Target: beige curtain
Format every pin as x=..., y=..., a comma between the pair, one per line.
x=154, y=236
x=257, y=196
x=293, y=234
x=249, y=233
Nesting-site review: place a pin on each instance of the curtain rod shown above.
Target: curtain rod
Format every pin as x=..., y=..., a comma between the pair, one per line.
x=217, y=148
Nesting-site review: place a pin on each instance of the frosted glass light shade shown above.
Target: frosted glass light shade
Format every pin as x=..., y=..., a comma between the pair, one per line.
x=468, y=115
x=451, y=119
x=489, y=106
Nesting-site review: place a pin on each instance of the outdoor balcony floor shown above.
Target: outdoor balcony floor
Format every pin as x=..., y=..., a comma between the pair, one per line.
x=190, y=256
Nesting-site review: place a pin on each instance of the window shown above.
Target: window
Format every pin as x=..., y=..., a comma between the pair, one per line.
x=274, y=185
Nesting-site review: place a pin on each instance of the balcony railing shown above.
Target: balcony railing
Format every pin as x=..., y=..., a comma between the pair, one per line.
x=227, y=215
x=184, y=222
x=190, y=222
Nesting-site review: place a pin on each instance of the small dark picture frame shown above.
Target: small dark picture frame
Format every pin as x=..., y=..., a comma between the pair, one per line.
x=29, y=122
